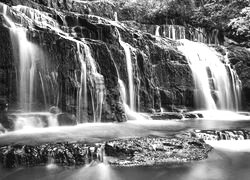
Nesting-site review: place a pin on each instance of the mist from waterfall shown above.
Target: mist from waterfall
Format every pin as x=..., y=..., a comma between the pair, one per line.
x=217, y=86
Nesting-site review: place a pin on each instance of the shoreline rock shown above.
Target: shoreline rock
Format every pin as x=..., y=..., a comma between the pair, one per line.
x=155, y=151
x=225, y=134
x=130, y=152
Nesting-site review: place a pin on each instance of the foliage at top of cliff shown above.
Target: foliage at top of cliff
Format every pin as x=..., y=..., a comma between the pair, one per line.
x=228, y=16
x=155, y=11
x=218, y=13
x=209, y=13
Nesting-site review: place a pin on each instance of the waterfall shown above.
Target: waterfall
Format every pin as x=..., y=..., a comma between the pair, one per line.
x=115, y=16
x=217, y=86
x=173, y=32
x=97, y=85
x=30, y=55
x=82, y=103
x=126, y=48
x=27, y=57
x=157, y=33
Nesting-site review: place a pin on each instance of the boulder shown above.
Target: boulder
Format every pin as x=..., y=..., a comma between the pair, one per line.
x=66, y=119
x=167, y=116
x=155, y=151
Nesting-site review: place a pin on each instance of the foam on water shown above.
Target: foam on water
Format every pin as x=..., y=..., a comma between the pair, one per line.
x=222, y=115
x=231, y=145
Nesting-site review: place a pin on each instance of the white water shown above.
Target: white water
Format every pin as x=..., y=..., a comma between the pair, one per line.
x=98, y=89
x=157, y=33
x=28, y=121
x=174, y=32
x=29, y=54
x=212, y=82
x=126, y=48
x=27, y=57
x=223, y=115
x=82, y=103
x=115, y=16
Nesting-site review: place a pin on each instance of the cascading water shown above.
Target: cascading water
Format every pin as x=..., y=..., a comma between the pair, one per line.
x=175, y=32
x=28, y=56
x=126, y=48
x=82, y=103
x=97, y=85
x=236, y=83
x=216, y=83
x=157, y=33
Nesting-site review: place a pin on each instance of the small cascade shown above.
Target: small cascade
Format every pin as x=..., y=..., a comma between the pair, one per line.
x=201, y=35
x=39, y=19
x=174, y=32
x=97, y=85
x=215, y=87
x=33, y=120
x=236, y=134
x=82, y=101
x=115, y=16
x=92, y=80
x=157, y=30
x=127, y=48
x=236, y=83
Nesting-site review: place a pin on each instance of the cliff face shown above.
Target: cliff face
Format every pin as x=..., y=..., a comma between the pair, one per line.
x=161, y=75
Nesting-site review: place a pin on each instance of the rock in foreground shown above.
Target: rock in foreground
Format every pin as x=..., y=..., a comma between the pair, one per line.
x=146, y=151
x=155, y=151
x=65, y=154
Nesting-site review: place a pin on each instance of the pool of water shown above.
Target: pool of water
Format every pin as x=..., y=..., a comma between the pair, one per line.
x=230, y=160
x=221, y=165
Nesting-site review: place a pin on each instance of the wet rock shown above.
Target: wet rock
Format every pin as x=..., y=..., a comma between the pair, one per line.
x=155, y=151
x=228, y=134
x=167, y=116
x=64, y=154
x=66, y=119
x=190, y=116
x=5, y=122
x=54, y=110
